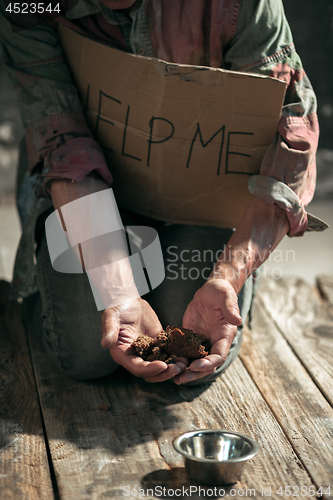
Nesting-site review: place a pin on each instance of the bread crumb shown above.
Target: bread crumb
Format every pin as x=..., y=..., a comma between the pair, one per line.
x=171, y=343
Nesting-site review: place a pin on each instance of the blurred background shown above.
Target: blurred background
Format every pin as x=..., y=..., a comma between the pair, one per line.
x=312, y=27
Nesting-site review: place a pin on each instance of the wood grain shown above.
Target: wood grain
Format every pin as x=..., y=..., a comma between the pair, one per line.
x=302, y=411
x=234, y=402
x=325, y=286
x=24, y=471
x=300, y=314
x=117, y=432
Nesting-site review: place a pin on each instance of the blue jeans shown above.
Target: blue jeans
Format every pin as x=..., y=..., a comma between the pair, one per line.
x=66, y=319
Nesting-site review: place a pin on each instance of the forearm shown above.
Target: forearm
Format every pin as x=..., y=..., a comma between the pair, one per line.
x=64, y=191
x=104, y=258
x=261, y=229
x=263, y=44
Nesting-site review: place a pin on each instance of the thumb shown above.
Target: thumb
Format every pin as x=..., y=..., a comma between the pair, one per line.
x=110, y=328
x=231, y=309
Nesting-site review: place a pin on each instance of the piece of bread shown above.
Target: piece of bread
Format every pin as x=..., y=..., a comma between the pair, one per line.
x=171, y=343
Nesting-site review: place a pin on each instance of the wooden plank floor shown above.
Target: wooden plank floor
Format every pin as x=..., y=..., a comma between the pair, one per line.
x=24, y=470
x=109, y=437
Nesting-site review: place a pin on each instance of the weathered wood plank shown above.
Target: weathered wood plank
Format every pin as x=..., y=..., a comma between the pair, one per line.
x=297, y=309
x=96, y=453
x=234, y=402
x=101, y=433
x=24, y=471
x=302, y=411
x=325, y=286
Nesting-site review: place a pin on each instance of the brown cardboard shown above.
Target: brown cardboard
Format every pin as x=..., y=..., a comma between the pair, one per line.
x=180, y=141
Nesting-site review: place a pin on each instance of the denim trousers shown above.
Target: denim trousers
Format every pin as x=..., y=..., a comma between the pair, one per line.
x=66, y=319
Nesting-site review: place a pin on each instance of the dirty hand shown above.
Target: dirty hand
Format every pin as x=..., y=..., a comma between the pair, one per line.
x=213, y=312
x=121, y=325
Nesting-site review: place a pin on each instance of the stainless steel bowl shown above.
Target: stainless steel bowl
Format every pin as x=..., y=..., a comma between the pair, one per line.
x=215, y=456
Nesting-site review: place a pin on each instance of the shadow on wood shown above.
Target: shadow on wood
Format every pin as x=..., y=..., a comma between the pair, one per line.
x=24, y=470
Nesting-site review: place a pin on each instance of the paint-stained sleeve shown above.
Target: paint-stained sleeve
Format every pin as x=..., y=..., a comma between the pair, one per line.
x=59, y=142
x=263, y=44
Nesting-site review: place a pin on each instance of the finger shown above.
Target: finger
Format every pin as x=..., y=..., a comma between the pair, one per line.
x=181, y=359
x=231, y=309
x=171, y=372
x=135, y=364
x=189, y=375
x=110, y=328
x=218, y=354
x=210, y=362
x=181, y=365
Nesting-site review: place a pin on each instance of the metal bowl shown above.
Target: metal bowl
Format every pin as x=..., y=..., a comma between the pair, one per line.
x=215, y=456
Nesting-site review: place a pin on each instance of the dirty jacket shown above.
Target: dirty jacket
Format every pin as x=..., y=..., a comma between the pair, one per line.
x=241, y=35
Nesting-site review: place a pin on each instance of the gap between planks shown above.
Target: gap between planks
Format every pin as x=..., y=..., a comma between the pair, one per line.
x=304, y=319
x=95, y=453
x=24, y=469
x=301, y=410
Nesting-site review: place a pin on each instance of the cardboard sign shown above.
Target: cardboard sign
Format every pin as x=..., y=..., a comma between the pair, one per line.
x=180, y=141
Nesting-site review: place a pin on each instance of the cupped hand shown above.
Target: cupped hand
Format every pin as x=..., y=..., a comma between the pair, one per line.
x=121, y=325
x=213, y=312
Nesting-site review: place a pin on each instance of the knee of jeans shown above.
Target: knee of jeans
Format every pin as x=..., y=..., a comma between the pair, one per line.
x=83, y=372
x=87, y=367
x=82, y=364
x=80, y=356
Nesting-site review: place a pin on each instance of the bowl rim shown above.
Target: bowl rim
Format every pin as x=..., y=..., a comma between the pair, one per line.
x=254, y=445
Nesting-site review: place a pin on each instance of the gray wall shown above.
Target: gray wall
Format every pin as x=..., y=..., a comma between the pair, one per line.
x=311, y=22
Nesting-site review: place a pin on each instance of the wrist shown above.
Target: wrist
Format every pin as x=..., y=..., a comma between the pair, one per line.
x=235, y=275
x=235, y=264
x=114, y=283
x=64, y=191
